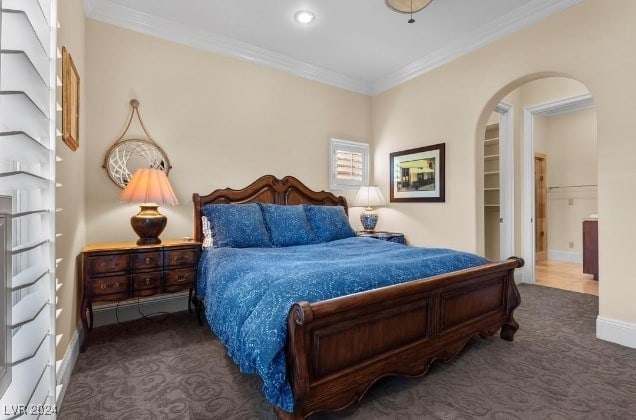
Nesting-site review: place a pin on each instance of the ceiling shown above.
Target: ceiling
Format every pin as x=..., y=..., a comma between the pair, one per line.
x=360, y=45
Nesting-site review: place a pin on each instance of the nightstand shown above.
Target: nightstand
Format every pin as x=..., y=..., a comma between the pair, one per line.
x=116, y=271
x=385, y=236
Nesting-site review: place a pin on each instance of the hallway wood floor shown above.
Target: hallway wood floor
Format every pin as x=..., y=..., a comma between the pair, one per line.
x=566, y=276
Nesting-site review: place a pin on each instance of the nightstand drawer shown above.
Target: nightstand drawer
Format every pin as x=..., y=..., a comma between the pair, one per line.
x=176, y=280
x=113, y=285
x=107, y=264
x=146, y=284
x=181, y=257
x=147, y=260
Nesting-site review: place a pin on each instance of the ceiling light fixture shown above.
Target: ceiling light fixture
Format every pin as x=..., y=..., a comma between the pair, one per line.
x=304, y=17
x=407, y=6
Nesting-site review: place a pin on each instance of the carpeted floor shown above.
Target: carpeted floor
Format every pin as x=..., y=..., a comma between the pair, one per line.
x=555, y=369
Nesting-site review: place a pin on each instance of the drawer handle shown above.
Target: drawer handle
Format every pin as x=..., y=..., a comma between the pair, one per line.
x=147, y=280
x=102, y=286
x=116, y=285
x=180, y=259
x=105, y=266
x=181, y=279
x=148, y=260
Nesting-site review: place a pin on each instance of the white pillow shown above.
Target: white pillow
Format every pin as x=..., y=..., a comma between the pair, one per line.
x=207, y=233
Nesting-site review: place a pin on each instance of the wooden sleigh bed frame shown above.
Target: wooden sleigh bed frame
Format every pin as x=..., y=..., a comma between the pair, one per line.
x=339, y=347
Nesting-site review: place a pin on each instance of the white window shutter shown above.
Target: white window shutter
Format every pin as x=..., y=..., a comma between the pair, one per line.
x=349, y=164
x=28, y=107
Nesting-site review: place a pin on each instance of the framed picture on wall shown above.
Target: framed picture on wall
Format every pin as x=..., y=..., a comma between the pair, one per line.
x=70, y=101
x=417, y=175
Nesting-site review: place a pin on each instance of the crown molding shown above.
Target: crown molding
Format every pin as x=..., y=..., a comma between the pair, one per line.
x=514, y=21
x=115, y=14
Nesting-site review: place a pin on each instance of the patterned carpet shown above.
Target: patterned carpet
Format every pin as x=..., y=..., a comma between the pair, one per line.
x=555, y=369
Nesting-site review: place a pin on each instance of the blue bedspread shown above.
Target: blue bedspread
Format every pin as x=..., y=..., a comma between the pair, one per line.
x=249, y=292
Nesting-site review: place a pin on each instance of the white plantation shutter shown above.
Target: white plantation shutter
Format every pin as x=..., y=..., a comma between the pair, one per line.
x=349, y=164
x=28, y=111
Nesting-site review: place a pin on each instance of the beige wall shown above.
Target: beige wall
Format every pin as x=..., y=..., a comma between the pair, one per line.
x=222, y=122
x=540, y=134
x=571, y=161
x=70, y=173
x=590, y=42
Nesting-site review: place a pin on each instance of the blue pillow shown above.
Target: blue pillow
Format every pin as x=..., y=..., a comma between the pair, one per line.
x=237, y=225
x=288, y=225
x=329, y=222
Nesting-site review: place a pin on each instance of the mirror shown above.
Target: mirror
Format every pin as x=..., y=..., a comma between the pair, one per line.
x=125, y=156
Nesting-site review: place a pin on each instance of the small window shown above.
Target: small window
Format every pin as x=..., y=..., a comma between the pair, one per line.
x=349, y=164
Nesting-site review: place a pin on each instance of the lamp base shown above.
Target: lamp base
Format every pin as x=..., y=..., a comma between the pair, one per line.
x=148, y=224
x=369, y=219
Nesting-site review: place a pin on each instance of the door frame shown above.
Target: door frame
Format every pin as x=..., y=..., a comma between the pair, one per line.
x=560, y=106
x=506, y=180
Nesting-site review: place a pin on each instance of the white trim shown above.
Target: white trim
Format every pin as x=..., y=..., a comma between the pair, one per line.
x=506, y=177
x=571, y=104
x=116, y=14
x=575, y=257
x=127, y=311
x=67, y=365
x=615, y=331
x=574, y=103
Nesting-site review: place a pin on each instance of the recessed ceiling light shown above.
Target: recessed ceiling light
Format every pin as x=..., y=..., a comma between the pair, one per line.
x=304, y=16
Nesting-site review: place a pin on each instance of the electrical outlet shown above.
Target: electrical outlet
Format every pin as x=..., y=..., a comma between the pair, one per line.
x=570, y=203
x=571, y=244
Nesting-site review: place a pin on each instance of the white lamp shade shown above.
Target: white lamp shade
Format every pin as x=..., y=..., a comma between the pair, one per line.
x=149, y=185
x=369, y=196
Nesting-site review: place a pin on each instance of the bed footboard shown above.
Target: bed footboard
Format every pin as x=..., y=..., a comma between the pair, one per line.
x=339, y=347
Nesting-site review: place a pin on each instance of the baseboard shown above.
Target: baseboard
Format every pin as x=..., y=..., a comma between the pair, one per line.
x=619, y=332
x=66, y=367
x=565, y=256
x=112, y=313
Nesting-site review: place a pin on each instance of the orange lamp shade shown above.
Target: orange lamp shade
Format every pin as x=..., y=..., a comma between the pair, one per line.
x=150, y=187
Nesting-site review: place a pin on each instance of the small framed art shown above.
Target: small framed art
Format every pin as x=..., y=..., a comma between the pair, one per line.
x=417, y=175
x=70, y=101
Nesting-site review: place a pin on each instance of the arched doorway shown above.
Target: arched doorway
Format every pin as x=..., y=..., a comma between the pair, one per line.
x=540, y=103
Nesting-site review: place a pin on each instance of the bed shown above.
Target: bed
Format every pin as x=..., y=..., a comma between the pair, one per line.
x=335, y=348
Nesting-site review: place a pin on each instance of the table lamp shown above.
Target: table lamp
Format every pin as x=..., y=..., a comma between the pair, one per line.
x=369, y=197
x=149, y=187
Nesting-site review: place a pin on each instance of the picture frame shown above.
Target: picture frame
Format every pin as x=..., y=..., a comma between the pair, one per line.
x=418, y=175
x=70, y=101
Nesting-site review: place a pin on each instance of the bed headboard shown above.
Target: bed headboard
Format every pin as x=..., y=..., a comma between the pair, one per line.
x=266, y=189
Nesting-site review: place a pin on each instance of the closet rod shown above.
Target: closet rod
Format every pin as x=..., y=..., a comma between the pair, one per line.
x=573, y=186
